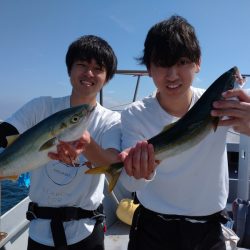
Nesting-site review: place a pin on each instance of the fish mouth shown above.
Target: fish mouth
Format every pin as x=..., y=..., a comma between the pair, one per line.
x=86, y=110
x=89, y=110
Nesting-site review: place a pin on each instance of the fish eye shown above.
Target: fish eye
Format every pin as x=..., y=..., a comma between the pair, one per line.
x=75, y=119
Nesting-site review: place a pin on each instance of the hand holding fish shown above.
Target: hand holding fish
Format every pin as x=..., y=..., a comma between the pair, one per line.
x=139, y=161
x=68, y=152
x=177, y=137
x=30, y=149
x=237, y=111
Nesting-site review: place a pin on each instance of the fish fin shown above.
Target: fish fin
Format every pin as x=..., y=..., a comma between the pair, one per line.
x=11, y=138
x=215, y=123
x=167, y=127
x=113, y=180
x=11, y=177
x=113, y=171
x=48, y=144
x=97, y=170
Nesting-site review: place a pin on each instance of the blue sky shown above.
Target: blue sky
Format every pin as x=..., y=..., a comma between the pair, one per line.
x=35, y=36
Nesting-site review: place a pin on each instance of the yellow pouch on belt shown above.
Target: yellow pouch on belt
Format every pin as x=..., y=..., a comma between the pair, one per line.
x=125, y=210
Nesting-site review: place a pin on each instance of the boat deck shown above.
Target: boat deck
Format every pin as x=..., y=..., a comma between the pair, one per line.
x=116, y=237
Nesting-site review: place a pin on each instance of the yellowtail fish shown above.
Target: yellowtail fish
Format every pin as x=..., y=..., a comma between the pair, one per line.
x=30, y=149
x=188, y=131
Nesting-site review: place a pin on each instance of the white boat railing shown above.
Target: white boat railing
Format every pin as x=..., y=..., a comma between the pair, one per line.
x=15, y=224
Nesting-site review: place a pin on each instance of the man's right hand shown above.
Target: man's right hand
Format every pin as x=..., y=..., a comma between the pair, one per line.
x=139, y=161
x=68, y=152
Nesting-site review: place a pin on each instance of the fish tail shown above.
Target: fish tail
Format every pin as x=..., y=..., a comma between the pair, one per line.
x=113, y=171
x=113, y=180
x=97, y=170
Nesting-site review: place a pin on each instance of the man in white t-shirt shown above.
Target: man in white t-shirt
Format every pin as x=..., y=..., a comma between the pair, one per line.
x=182, y=202
x=91, y=63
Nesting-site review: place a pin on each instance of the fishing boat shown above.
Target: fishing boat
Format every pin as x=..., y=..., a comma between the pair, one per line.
x=14, y=226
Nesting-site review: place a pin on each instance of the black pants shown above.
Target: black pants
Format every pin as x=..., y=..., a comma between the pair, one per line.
x=150, y=232
x=93, y=242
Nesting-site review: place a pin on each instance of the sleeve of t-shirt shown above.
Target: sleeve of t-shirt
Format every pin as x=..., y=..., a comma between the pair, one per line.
x=131, y=134
x=28, y=115
x=111, y=138
x=131, y=130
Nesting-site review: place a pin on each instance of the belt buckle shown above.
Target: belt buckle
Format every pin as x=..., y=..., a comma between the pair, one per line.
x=98, y=215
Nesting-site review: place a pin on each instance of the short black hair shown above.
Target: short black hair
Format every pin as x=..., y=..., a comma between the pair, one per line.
x=168, y=41
x=90, y=47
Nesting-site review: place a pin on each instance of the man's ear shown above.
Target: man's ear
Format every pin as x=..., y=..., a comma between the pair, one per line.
x=198, y=66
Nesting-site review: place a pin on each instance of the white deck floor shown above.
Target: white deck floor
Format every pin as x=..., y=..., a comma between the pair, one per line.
x=117, y=236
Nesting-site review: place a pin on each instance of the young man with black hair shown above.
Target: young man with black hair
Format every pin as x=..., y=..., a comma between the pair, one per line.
x=91, y=63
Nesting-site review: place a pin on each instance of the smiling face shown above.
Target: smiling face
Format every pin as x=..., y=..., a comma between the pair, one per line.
x=173, y=83
x=87, y=78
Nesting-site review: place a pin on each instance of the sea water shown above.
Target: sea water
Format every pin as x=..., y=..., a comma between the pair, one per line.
x=11, y=194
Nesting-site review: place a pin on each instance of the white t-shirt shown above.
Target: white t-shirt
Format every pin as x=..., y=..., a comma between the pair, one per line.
x=57, y=185
x=194, y=182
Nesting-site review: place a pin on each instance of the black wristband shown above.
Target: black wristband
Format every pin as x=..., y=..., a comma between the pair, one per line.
x=6, y=129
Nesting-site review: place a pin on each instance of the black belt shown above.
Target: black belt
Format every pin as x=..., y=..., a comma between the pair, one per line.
x=60, y=215
x=220, y=216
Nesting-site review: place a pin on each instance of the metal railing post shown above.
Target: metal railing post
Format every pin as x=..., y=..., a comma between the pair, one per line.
x=136, y=88
x=244, y=167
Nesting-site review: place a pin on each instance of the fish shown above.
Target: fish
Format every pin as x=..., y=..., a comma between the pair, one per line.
x=30, y=149
x=185, y=133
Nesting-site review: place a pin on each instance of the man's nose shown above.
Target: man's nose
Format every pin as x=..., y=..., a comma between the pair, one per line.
x=171, y=72
x=89, y=72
